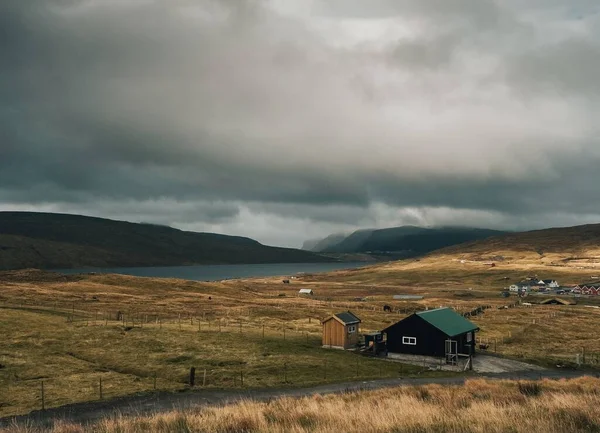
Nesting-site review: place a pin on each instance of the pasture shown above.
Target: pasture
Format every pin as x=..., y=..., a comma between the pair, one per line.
x=100, y=336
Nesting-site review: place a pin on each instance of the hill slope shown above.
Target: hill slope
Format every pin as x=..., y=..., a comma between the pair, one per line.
x=44, y=240
x=405, y=241
x=318, y=245
x=555, y=245
x=570, y=254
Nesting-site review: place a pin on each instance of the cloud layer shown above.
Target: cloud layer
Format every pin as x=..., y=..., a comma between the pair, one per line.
x=284, y=120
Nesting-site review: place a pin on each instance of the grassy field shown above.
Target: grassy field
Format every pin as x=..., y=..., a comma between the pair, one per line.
x=70, y=332
x=478, y=406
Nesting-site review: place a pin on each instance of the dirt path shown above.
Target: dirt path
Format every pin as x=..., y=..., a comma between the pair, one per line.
x=161, y=402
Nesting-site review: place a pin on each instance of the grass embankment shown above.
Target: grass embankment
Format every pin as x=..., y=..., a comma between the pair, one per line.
x=478, y=406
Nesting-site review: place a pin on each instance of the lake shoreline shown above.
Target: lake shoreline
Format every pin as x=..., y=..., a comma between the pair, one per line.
x=219, y=272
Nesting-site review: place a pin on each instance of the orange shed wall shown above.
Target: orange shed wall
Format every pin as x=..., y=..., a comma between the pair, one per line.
x=334, y=333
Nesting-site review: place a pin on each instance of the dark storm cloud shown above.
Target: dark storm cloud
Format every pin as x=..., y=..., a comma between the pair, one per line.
x=227, y=111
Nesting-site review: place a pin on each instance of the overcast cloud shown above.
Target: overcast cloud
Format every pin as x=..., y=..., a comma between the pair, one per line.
x=285, y=120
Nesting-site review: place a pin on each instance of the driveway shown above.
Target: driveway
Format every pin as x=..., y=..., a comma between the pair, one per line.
x=481, y=363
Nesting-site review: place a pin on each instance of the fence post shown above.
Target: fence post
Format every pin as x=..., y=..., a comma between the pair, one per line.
x=100, y=388
x=242, y=376
x=43, y=397
x=154, y=384
x=192, y=376
x=204, y=378
x=263, y=334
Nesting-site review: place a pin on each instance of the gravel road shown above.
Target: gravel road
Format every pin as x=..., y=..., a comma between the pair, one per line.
x=147, y=404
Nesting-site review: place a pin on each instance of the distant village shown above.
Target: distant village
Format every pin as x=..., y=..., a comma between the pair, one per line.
x=535, y=285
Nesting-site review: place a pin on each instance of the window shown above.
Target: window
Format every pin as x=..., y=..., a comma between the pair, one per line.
x=469, y=337
x=351, y=329
x=409, y=340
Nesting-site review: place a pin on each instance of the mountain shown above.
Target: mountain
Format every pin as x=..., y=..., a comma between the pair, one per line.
x=47, y=240
x=318, y=245
x=404, y=241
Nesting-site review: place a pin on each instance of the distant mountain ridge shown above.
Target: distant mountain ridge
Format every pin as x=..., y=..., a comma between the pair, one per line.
x=404, y=241
x=49, y=240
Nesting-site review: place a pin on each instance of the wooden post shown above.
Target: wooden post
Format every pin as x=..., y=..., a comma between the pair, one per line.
x=284, y=333
x=100, y=388
x=154, y=384
x=285, y=372
x=242, y=377
x=192, y=376
x=325, y=370
x=263, y=334
x=204, y=378
x=43, y=397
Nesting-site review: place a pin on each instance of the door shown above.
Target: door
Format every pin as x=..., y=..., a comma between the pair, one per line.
x=451, y=352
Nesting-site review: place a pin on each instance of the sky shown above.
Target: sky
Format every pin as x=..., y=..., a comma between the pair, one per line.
x=288, y=120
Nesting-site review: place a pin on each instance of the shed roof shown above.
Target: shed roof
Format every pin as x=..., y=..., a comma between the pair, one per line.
x=305, y=291
x=448, y=321
x=557, y=301
x=347, y=318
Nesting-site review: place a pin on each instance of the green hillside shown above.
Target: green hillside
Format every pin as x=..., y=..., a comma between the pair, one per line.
x=46, y=241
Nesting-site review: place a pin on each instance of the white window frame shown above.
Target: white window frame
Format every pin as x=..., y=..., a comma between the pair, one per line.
x=351, y=329
x=409, y=341
x=469, y=337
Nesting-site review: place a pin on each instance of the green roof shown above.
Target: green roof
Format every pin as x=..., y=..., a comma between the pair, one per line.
x=448, y=321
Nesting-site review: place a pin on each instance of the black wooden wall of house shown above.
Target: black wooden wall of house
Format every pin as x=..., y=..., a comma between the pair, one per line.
x=430, y=340
x=465, y=347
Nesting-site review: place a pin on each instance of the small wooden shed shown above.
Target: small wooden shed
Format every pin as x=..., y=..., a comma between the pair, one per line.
x=308, y=292
x=341, y=330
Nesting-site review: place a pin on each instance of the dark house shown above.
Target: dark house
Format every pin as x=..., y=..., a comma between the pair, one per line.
x=441, y=332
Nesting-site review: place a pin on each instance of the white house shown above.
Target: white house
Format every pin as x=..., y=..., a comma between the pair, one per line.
x=305, y=292
x=519, y=288
x=551, y=284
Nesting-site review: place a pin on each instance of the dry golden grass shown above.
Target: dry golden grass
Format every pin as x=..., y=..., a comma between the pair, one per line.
x=478, y=406
x=63, y=330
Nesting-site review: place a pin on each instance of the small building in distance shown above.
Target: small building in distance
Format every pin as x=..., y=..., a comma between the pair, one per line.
x=340, y=330
x=441, y=332
x=308, y=292
x=557, y=301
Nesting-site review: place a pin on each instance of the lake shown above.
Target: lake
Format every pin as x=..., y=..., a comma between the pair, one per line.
x=222, y=272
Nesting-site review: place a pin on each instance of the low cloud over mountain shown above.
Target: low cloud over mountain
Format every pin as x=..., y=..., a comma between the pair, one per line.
x=287, y=120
